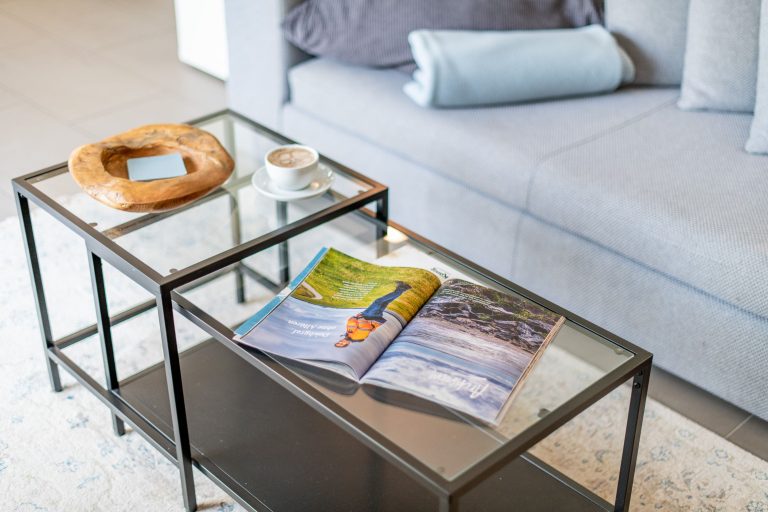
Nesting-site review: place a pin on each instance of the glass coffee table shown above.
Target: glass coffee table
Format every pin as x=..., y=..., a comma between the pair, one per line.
x=273, y=435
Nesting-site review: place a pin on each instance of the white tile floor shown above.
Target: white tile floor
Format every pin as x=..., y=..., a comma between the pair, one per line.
x=75, y=71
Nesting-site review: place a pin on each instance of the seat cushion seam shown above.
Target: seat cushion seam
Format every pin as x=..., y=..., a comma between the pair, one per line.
x=587, y=140
x=650, y=268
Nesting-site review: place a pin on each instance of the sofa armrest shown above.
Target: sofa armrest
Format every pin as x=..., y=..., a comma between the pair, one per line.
x=259, y=58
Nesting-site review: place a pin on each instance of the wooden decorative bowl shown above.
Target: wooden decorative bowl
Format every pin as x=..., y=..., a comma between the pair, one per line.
x=102, y=172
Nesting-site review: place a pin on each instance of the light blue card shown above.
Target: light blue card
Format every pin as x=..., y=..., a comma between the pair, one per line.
x=149, y=168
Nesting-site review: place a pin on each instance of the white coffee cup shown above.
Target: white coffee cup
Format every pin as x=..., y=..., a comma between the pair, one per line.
x=291, y=167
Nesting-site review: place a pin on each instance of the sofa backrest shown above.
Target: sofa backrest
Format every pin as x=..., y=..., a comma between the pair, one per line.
x=259, y=58
x=653, y=33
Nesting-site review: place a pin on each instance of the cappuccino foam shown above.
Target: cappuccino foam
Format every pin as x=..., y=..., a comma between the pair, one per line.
x=291, y=157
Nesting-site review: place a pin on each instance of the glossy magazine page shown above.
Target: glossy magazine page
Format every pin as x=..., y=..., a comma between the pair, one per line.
x=340, y=314
x=468, y=349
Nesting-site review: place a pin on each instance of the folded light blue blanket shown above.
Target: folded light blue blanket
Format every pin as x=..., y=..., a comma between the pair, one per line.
x=465, y=68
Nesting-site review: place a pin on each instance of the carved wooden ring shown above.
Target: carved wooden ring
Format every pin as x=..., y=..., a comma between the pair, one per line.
x=101, y=170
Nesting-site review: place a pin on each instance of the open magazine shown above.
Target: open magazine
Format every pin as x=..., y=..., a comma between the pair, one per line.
x=407, y=331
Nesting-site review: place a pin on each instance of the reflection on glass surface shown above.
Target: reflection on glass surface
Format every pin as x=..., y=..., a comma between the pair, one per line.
x=447, y=442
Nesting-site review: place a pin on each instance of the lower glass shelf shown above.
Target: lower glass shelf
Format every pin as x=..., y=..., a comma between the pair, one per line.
x=277, y=453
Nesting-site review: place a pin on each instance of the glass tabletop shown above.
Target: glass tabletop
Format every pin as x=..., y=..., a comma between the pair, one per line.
x=147, y=236
x=443, y=440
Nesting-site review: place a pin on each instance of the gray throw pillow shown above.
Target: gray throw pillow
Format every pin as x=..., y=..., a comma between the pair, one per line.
x=720, y=71
x=758, y=137
x=652, y=32
x=375, y=32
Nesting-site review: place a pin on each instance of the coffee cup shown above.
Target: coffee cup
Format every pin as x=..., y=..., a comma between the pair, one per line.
x=291, y=167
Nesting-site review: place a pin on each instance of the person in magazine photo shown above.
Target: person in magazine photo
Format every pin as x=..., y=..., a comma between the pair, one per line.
x=360, y=326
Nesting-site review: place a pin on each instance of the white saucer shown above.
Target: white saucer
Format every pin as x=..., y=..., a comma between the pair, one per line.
x=320, y=183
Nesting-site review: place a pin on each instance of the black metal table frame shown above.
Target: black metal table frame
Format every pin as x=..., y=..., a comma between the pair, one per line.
x=101, y=247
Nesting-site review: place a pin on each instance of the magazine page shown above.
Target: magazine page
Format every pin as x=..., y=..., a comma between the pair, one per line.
x=467, y=349
x=340, y=314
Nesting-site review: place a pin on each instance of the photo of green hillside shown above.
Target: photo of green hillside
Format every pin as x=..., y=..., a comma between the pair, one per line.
x=341, y=281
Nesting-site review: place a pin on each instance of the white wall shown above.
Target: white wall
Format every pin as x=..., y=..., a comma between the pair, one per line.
x=201, y=31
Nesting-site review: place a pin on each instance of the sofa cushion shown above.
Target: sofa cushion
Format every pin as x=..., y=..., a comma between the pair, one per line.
x=375, y=32
x=674, y=191
x=653, y=33
x=490, y=150
x=720, y=71
x=695, y=336
x=758, y=136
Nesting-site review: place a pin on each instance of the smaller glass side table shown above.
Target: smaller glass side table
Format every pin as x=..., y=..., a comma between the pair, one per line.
x=274, y=435
x=139, y=246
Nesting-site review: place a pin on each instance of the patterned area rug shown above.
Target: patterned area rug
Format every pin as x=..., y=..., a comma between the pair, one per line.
x=57, y=451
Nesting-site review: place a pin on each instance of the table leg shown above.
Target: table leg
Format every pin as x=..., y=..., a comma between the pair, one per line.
x=382, y=208
x=234, y=213
x=382, y=214
x=282, y=255
x=632, y=437
x=105, y=332
x=447, y=504
x=229, y=137
x=229, y=144
x=22, y=206
x=176, y=397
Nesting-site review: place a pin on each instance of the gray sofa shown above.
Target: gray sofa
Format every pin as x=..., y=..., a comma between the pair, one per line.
x=647, y=220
